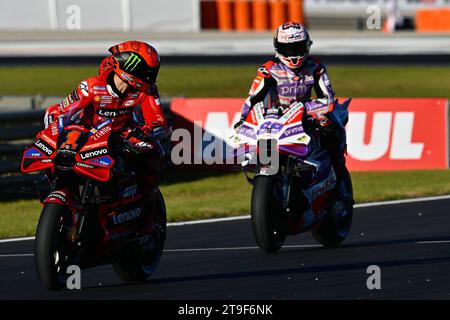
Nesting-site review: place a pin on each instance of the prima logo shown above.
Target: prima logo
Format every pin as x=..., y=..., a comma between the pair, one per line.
x=132, y=62
x=291, y=89
x=91, y=154
x=297, y=129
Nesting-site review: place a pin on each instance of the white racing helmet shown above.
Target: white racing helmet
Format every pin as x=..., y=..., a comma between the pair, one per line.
x=292, y=44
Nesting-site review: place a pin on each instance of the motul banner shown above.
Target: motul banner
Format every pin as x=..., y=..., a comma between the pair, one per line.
x=382, y=133
x=397, y=134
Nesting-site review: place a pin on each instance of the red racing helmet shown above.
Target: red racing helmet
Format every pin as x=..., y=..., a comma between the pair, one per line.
x=137, y=63
x=106, y=64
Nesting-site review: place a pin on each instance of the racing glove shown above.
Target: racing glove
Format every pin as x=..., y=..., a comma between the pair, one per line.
x=237, y=126
x=317, y=110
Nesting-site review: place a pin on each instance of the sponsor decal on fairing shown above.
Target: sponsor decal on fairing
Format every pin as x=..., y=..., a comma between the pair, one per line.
x=130, y=191
x=126, y=216
x=41, y=145
x=33, y=152
x=84, y=88
x=57, y=195
x=102, y=161
x=93, y=153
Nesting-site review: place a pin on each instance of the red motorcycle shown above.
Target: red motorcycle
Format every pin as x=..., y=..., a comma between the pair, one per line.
x=93, y=211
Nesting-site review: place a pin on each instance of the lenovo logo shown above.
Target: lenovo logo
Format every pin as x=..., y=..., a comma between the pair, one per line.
x=91, y=154
x=126, y=216
x=43, y=147
x=115, y=112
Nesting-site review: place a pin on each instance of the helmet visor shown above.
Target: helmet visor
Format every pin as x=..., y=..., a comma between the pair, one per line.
x=137, y=67
x=295, y=49
x=146, y=74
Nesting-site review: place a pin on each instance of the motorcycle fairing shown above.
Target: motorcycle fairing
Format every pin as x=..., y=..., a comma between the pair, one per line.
x=286, y=129
x=97, y=163
x=62, y=197
x=41, y=154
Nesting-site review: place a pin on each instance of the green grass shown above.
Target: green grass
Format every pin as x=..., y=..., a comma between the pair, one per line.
x=234, y=81
x=229, y=195
x=226, y=195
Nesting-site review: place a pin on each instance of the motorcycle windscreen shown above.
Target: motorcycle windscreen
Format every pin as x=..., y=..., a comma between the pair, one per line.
x=40, y=155
x=269, y=119
x=94, y=160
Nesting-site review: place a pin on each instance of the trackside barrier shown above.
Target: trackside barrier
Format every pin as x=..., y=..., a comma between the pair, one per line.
x=382, y=133
x=250, y=15
x=433, y=20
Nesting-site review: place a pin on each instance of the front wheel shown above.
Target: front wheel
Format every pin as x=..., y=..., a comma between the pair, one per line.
x=268, y=223
x=336, y=227
x=142, y=263
x=50, y=247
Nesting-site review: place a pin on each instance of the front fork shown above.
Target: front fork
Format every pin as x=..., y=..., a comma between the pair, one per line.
x=286, y=192
x=80, y=215
x=284, y=179
x=284, y=186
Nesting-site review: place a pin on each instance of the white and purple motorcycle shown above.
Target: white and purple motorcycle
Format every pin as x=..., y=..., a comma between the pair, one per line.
x=294, y=184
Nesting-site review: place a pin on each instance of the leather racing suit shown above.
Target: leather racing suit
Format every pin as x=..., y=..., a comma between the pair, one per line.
x=297, y=85
x=98, y=99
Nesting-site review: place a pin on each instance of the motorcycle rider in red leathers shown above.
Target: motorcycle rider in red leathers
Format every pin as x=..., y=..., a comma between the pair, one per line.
x=126, y=80
x=294, y=74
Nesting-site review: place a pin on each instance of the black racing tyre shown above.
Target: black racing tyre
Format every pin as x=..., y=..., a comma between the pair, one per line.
x=268, y=224
x=140, y=265
x=50, y=247
x=336, y=227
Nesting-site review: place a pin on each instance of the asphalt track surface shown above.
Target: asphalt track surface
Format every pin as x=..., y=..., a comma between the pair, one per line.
x=410, y=242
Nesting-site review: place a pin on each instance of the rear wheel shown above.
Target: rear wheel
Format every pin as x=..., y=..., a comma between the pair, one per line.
x=336, y=227
x=268, y=223
x=142, y=262
x=51, y=256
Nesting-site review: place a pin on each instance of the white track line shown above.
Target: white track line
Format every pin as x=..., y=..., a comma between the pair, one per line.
x=241, y=248
x=16, y=255
x=403, y=201
x=361, y=205
x=184, y=223
x=228, y=248
x=433, y=242
x=16, y=239
x=190, y=250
